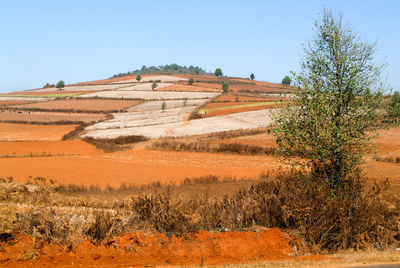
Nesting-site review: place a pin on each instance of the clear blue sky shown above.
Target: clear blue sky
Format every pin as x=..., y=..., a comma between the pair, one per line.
x=46, y=41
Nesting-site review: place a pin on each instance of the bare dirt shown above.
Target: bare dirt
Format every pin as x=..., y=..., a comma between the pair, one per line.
x=28, y=132
x=48, y=117
x=86, y=105
x=155, y=249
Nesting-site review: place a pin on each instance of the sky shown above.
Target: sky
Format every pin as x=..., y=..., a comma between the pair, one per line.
x=75, y=41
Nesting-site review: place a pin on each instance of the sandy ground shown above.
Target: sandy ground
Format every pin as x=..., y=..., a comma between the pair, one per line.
x=151, y=95
x=143, y=87
x=27, y=116
x=156, y=105
x=27, y=132
x=77, y=104
x=193, y=88
x=30, y=99
x=245, y=120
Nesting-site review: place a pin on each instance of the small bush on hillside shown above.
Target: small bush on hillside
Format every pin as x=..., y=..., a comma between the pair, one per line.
x=138, y=77
x=225, y=87
x=218, y=72
x=154, y=85
x=191, y=81
x=393, y=107
x=60, y=84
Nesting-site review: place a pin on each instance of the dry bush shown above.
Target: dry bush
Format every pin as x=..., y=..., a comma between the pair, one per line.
x=76, y=132
x=112, y=145
x=202, y=146
x=103, y=225
x=390, y=159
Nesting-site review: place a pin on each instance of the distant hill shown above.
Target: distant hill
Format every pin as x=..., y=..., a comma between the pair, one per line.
x=171, y=68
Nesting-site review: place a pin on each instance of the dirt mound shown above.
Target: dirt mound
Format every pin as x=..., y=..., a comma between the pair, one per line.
x=142, y=248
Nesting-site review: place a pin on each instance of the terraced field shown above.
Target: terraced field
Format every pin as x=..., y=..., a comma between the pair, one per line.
x=151, y=95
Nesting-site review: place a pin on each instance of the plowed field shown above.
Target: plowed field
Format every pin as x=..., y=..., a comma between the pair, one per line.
x=48, y=117
x=27, y=132
x=86, y=105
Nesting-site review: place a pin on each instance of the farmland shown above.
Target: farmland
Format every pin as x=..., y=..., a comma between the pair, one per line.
x=89, y=153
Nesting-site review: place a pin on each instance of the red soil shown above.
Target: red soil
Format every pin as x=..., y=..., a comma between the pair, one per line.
x=12, y=102
x=87, y=105
x=155, y=249
x=35, y=93
x=48, y=117
x=229, y=97
x=136, y=166
x=26, y=132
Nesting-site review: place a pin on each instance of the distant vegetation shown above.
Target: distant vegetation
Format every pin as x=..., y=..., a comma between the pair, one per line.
x=286, y=81
x=60, y=84
x=171, y=68
x=225, y=87
x=252, y=76
x=218, y=72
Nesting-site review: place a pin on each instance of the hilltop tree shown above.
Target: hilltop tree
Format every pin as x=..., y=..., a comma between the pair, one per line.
x=225, y=87
x=252, y=77
x=154, y=85
x=218, y=72
x=60, y=84
x=191, y=81
x=286, y=81
x=138, y=78
x=327, y=119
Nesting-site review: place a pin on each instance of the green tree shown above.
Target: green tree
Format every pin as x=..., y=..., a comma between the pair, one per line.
x=60, y=84
x=218, y=72
x=286, y=81
x=252, y=77
x=327, y=119
x=163, y=106
x=191, y=81
x=393, y=107
x=225, y=87
x=154, y=85
x=138, y=77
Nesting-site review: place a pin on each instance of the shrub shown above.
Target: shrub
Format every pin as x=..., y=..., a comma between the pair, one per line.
x=191, y=81
x=163, y=106
x=138, y=77
x=252, y=76
x=225, y=87
x=154, y=85
x=60, y=84
x=393, y=107
x=218, y=72
x=286, y=81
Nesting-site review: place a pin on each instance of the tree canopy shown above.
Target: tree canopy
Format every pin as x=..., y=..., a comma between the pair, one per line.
x=60, y=84
x=218, y=72
x=286, y=81
x=327, y=119
x=171, y=68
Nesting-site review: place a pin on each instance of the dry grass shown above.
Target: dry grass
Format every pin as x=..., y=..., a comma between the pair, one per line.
x=115, y=144
x=356, y=219
x=203, y=146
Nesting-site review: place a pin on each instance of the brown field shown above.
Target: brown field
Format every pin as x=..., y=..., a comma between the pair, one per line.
x=37, y=93
x=27, y=132
x=224, y=108
x=229, y=97
x=12, y=102
x=49, y=117
x=83, y=105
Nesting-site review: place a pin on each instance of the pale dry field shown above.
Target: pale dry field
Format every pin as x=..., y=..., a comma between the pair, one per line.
x=30, y=99
x=156, y=105
x=151, y=95
x=144, y=87
x=245, y=120
x=79, y=88
x=145, y=118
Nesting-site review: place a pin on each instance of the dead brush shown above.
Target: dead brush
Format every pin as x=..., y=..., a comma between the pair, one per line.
x=203, y=146
x=103, y=225
x=112, y=145
x=391, y=159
